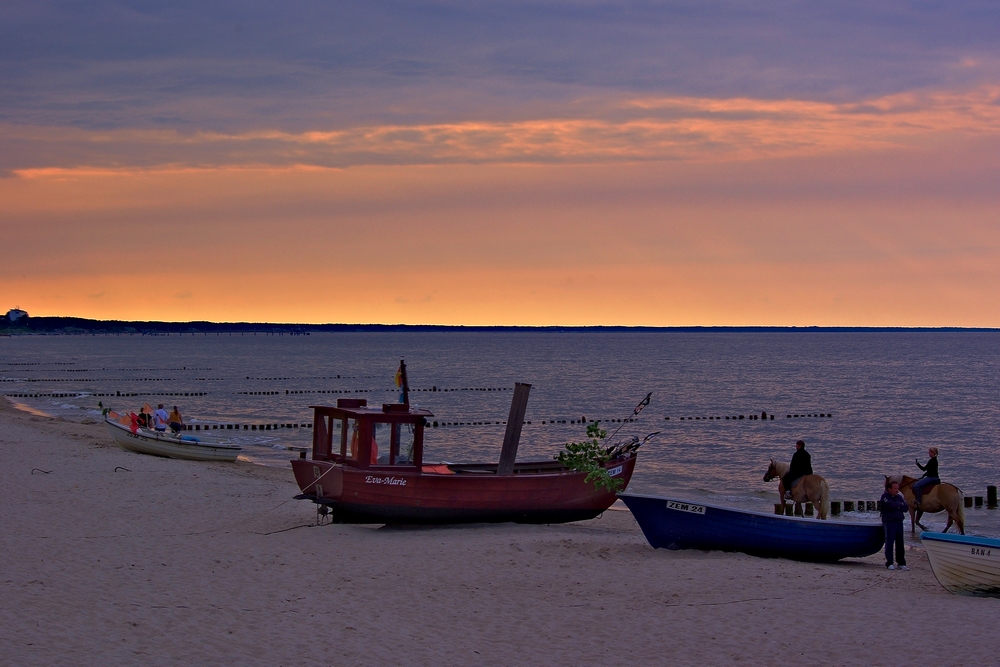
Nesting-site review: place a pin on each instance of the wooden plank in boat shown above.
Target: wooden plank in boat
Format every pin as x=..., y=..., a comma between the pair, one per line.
x=515, y=420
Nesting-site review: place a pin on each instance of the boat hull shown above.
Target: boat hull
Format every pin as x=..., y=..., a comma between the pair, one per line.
x=670, y=523
x=963, y=564
x=169, y=446
x=535, y=493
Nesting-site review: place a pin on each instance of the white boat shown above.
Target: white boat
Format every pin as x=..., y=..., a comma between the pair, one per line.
x=964, y=564
x=174, y=446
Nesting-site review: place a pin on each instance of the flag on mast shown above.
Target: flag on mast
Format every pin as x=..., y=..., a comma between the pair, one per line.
x=401, y=383
x=643, y=403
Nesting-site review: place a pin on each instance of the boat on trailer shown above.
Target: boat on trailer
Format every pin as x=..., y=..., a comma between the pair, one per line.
x=367, y=466
x=964, y=564
x=670, y=523
x=169, y=445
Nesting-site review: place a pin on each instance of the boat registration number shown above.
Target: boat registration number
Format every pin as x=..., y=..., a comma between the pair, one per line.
x=685, y=507
x=617, y=470
x=979, y=551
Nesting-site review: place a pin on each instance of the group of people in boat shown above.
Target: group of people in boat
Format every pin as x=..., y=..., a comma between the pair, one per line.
x=160, y=420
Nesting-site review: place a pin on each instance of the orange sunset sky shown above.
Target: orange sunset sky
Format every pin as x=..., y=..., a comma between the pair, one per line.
x=556, y=163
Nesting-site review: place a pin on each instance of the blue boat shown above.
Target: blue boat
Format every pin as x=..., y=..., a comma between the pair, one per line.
x=669, y=523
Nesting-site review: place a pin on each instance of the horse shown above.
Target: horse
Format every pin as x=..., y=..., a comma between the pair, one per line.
x=939, y=497
x=812, y=488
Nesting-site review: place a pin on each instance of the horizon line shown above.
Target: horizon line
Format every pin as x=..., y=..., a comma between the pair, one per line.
x=49, y=323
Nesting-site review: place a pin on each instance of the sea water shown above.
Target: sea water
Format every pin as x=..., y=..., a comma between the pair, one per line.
x=866, y=403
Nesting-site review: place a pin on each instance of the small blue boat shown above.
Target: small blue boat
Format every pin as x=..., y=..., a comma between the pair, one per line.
x=669, y=523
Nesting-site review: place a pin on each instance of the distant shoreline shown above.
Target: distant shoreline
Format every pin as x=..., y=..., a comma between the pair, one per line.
x=77, y=326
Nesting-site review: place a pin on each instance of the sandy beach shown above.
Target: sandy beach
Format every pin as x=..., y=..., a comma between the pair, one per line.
x=115, y=558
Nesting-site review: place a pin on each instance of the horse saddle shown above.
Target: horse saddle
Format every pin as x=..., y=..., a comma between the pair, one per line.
x=795, y=482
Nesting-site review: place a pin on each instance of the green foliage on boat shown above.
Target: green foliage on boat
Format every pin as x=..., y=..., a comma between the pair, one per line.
x=590, y=456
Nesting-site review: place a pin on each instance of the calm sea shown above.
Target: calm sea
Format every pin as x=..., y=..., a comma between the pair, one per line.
x=884, y=397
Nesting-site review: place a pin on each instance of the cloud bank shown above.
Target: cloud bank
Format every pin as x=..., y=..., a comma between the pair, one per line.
x=503, y=162
x=647, y=129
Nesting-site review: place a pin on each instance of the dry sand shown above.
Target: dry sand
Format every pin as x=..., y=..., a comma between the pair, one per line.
x=115, y=558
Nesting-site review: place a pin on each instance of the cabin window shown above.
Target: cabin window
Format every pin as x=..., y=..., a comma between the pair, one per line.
x=380, y=436
x=335, y=435
x=402, y=444
x=395, y=444
x=327, y=437
x=352, y=439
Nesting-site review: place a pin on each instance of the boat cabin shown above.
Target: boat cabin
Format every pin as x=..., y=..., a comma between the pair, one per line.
x=358, y=436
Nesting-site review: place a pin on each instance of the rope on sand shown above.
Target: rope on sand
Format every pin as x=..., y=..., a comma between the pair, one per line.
x=715, y=604
x=245, y=520
x=304, y=525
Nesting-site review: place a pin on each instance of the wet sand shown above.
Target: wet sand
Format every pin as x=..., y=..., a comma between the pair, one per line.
x=116, y=558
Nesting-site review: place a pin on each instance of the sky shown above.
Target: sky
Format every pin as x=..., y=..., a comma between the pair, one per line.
x=567, y=163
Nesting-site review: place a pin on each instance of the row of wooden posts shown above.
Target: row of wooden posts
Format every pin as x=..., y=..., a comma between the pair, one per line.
x=77, y=394
x=837, y=506
x=245, y=427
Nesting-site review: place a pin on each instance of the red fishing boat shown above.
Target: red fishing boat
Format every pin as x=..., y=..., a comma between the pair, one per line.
x=367, y=466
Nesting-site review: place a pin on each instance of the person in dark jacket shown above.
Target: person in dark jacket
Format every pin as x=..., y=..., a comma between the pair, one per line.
x=929, y=477
x=893, y=508
x=800, y=466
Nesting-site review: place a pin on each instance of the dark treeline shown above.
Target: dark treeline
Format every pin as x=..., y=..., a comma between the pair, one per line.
x=78, y=325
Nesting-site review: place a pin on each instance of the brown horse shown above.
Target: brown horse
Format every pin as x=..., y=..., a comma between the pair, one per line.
x=812, y=488
x=940, y=497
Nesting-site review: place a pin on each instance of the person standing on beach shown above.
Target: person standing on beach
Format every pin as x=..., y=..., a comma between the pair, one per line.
x=160, y=419
x=176, y=421
x=893, y=508
x=929, y=477
x=800, y=466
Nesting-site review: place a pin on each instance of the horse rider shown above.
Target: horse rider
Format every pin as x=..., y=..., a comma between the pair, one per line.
x=930, y=476
x=800, y=466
